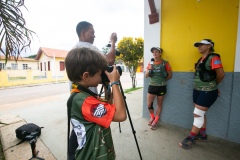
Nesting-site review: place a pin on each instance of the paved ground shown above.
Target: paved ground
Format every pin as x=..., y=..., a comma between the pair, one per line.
x=160, y=144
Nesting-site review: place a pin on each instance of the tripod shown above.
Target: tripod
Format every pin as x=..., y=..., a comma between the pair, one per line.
x=129, y=117
x=32, y=142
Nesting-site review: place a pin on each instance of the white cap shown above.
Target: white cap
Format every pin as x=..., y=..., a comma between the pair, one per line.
x=202, y=42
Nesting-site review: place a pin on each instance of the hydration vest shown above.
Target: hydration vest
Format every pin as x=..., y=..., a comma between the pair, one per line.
x=163, y=71
x=204, y=74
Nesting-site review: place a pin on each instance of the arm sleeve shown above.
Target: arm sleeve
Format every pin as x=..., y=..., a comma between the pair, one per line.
x=168, y=67
x=98, y=112
x=216, y=62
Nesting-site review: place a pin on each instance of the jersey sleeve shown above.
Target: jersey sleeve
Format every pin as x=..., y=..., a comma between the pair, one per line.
x=216, y=62
x=168, y=67
x=98, y=112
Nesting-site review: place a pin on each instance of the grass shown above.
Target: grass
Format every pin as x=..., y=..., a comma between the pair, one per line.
x=16, y=78
x=131, y=89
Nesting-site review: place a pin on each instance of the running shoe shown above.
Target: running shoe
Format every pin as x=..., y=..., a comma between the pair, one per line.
x=187, y=143
x=199, y=137
x=150, y=121
x=154, y=125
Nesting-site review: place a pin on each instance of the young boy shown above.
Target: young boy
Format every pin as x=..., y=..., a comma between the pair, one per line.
x=91, y=116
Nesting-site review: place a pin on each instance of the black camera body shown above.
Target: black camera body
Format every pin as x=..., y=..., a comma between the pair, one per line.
x=110, y=69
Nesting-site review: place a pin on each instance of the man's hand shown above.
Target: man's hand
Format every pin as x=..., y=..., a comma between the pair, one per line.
x=113, y=37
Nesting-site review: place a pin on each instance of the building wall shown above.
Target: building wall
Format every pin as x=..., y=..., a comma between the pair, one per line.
x=32, y=65
x=183, y=23
x=54, y=65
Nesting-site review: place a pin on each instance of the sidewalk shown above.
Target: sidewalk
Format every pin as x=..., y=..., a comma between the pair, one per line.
x=159, y=144
x=162, y=143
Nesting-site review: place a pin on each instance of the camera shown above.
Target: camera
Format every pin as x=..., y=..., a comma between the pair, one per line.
x=117, y=53
x=110, y=69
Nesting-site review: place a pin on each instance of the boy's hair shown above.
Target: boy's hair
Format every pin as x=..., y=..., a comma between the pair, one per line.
x=80, y=60
x=81, y=26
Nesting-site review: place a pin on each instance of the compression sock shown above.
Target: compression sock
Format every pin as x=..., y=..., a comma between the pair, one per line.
x=203, y=132
x=192, y=135
x=152, y=115
x=156, y=119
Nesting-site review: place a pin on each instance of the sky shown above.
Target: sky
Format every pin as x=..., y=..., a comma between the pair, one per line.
x=54, y=21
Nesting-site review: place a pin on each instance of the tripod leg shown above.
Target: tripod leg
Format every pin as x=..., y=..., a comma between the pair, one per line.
x=130, y=120
x=34, y=151
x=119, y=127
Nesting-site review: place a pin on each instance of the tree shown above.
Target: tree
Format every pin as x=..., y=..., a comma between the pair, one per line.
x=131, y=53
x=15, y=37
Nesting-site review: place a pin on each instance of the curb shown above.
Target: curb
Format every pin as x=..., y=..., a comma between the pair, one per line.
x=9, y=141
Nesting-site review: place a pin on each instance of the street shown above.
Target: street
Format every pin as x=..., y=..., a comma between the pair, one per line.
x=45, y=105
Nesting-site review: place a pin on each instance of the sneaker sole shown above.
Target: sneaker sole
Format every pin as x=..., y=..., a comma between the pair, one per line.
x=180, y=144
x=201, y=140
x=153, y=128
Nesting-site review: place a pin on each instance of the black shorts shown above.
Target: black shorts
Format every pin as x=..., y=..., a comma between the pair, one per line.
x=157, y=90
x=204, y=98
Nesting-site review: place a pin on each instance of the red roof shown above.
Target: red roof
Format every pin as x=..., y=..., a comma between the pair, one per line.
x=11, y=58
x=50, y=52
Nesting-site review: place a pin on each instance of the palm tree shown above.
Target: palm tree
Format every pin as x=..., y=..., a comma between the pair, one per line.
x=14, y=36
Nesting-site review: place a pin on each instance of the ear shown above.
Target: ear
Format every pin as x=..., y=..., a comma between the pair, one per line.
x=85, y=76
x=83, y=33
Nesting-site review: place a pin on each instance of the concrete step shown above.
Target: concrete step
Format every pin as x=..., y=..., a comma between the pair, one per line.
x=23, y=151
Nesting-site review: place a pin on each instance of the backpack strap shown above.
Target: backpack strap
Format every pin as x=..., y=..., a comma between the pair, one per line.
x=83, y=88
x=69, y=107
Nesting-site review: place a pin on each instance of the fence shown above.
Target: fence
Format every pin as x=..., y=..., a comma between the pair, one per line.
x=8, y=78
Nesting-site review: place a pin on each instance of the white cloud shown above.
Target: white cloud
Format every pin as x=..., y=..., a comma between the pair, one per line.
x=55, y=21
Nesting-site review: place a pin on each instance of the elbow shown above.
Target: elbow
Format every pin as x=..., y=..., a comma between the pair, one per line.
x=124, y=117
x=120, y=118
x=221, y=76
x=170, y=76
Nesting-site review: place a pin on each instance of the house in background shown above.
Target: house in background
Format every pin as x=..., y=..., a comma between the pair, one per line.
x=51, y=60
x=18, y=69
x=48, y=66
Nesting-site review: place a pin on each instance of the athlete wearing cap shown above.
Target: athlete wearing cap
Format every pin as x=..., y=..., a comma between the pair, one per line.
x=209, y=73
x=159, y=72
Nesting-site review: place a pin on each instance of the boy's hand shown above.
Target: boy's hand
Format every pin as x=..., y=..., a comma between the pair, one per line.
x=113, y=76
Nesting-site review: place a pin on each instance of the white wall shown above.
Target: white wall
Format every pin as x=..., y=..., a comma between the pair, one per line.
x=151, y=31
x=237, y=57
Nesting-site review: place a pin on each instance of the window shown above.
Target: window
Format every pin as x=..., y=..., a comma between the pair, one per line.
x=25, y=66
x=14, y=66
x=2, y=66
x=48, y=65
x=41, y=66
x=62, y=66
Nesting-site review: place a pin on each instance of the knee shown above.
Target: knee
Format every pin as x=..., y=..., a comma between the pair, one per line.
x=150, y=106
x=198, y=117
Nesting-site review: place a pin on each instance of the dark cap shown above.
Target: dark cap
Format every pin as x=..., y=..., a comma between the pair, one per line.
x=157, y=48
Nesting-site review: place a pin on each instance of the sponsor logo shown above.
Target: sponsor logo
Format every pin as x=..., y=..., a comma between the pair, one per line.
x=98, y=110
x=217, y=62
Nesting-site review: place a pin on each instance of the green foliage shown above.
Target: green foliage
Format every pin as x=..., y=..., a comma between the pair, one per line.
x=105, y=50
x=131, y=50
x=32, y=56
x=14, y=36
x=132, y=89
